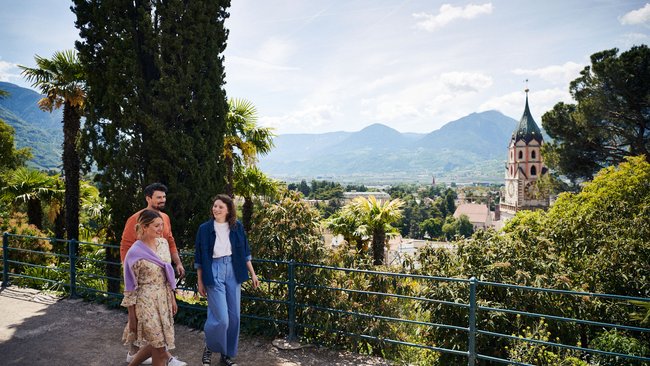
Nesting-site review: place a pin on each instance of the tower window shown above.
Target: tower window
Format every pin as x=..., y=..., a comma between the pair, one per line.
x=533, y=154
x=533, y=170
x=521, y=154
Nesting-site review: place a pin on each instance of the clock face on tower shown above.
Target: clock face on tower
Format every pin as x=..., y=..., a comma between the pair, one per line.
x=530, y=190
x=511, y=189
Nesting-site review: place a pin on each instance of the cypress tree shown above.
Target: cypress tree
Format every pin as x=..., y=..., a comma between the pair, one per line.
x=156, y=103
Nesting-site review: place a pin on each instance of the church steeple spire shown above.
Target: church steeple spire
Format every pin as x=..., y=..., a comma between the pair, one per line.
x=527, y=129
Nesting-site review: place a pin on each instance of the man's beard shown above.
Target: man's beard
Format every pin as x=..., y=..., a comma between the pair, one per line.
x=159, y=207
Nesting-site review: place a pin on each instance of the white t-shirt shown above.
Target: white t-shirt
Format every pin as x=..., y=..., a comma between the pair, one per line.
x=222, y=246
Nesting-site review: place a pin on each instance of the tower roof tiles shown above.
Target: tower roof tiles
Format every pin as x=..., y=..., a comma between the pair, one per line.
x=527, y=129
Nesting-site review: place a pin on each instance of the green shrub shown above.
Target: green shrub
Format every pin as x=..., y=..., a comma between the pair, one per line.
x=17, y=224
x=618, y=342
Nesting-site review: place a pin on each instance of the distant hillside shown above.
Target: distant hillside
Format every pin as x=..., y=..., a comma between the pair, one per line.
x=39, y=130
x=487, y=133
x=472, y=148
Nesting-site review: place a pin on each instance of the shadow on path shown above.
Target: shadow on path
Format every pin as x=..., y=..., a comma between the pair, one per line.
x=39, y=329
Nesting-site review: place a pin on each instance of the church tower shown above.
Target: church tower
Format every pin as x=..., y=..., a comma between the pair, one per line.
x=523, y=168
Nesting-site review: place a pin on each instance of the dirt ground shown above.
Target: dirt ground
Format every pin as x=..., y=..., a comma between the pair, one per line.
x=39, y=329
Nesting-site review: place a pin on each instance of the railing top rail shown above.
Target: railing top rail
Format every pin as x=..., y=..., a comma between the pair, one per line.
x=390, y=274
x=565, y=292
x=60, y=240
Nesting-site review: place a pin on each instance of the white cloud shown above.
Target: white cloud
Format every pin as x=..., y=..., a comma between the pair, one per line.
x=387, y=109
x=465, y=81
x=631, y=39
x=425, y=100
x=276, y=51
x=540, y=102
x=449, y=13
x=9, y=72
x=306, y=120
x=557, y=74
x=639, y=16
x=257, y=65
x=260, y=74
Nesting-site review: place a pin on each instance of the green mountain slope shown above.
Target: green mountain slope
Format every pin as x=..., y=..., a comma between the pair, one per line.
x=39, y=130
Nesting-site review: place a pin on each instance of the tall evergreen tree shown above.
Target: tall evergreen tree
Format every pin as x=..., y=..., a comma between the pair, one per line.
x=610, y=120
x=156, y=102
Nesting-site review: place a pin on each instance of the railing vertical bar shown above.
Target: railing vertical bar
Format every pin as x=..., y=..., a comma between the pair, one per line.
x=292, y=301
x=72, y=253
x=471, y=345
x=5, y=259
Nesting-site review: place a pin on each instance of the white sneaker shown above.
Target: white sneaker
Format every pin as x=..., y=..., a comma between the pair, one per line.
x=130, y=357
x=173, y=361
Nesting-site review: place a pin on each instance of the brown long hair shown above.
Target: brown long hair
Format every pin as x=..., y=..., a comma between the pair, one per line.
x=231, y=217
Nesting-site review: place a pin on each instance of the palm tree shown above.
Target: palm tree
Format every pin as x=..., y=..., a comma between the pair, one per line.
x=61, y=79
x=250, y=182
x=375, y=218
x=345, y=223
x=55, y=197
x=29, y=186
x=243, y=134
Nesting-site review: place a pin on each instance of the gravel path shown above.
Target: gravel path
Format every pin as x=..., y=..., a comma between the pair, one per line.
x=39, y=329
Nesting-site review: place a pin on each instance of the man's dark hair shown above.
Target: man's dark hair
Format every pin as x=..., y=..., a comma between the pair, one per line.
x=151, y=188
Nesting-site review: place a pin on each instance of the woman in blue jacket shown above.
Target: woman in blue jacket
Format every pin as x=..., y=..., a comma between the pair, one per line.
x=222, y=258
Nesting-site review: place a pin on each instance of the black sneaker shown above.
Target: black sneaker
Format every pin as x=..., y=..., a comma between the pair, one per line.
x=227, y=361
x=207, y=356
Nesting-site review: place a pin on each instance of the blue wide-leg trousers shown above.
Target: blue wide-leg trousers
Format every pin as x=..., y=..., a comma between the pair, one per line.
x=222, y=325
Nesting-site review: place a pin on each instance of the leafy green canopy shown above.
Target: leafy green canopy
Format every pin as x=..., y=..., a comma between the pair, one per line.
x=597, y=240
x=10, y=157
x=611, y=119
x=156, y=101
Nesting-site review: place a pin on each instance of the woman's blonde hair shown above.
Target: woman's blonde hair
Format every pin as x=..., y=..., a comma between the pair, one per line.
x=145, y=219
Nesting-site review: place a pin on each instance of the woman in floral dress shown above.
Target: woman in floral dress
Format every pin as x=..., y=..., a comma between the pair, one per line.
x=149, y=294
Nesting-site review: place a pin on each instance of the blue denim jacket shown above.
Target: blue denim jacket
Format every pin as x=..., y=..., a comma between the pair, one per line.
x=204, y=246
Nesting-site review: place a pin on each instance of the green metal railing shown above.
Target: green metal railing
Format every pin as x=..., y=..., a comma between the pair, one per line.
x=73, y=278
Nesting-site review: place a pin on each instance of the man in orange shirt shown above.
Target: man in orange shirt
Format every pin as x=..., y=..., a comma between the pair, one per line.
x=156, y=196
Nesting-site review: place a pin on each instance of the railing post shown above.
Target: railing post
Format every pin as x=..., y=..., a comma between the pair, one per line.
x=292, y=302
x=5, y=259
x=471, y=346
x=72, y=253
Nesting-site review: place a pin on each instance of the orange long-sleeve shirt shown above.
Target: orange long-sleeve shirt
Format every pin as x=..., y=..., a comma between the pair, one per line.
x=129, y=236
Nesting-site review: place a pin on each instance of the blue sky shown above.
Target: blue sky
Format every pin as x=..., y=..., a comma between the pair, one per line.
x=322, y=65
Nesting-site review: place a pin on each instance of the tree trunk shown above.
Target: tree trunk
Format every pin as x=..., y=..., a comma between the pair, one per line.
x=71, y=125
x=230, y=176
x=59, y=233
x=35, y=213
x=112, y=258
x=378, y=239
x=247, y=213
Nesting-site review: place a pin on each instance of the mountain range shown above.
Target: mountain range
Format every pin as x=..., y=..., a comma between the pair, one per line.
x=470, y=149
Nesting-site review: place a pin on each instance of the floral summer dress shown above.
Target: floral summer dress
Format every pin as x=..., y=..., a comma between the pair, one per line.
x=153, y=303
